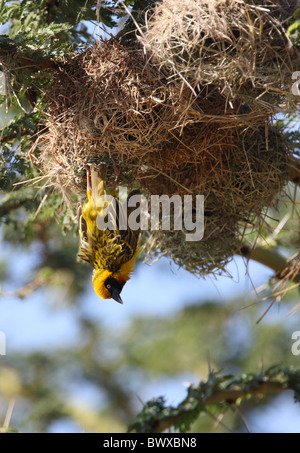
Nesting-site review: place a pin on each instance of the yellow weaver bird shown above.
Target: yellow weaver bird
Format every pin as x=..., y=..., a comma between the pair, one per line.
x=112, y=252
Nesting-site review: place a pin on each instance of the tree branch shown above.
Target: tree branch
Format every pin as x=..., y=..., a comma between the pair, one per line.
x=9, y=51
x=271, y=258
x=15, y=134
x=26, y=61
x=217, y=392
x=226, y=396
x=295, y=171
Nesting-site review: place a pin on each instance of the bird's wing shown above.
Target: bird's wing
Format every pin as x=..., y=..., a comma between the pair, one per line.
x=98, y=177
x=121, y=244
x=86, y=250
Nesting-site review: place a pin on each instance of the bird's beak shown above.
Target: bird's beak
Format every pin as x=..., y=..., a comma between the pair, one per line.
x=116, y=296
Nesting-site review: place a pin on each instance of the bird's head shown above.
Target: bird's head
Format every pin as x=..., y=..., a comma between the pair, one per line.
x=107, y=285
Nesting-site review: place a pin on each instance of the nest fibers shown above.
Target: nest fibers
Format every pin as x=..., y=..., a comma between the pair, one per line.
x=107, y=100
x=238, y=46
x=239, y=172
x=111, y=103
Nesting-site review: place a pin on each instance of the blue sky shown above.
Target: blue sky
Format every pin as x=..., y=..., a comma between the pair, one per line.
x=155, y=290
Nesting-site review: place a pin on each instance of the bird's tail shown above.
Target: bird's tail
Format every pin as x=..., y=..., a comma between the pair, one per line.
x=98, y=178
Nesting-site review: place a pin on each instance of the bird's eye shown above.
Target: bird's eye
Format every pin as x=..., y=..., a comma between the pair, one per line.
x=108, y=286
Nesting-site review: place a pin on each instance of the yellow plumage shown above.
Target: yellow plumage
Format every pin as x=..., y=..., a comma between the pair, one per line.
x=112, y=252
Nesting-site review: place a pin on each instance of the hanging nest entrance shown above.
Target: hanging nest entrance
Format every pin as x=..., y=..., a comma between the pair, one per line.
x=123, y=105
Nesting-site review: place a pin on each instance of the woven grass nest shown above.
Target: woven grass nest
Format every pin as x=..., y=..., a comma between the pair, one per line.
x=121, y=105
x=238, y=46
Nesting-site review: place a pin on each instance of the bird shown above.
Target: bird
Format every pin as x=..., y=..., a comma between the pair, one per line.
x=111, y=251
